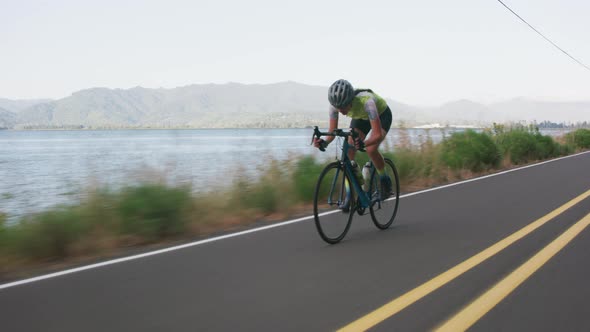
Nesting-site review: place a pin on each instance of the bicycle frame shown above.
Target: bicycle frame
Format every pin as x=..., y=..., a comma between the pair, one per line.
x=363, y=196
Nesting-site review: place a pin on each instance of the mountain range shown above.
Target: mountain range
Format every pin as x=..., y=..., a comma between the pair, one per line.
x=234, y=105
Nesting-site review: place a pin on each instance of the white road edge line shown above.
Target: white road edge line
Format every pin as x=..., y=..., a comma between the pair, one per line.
x=223, y=237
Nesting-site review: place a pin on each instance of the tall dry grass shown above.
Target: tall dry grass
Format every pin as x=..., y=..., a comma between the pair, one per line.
x=106, y=220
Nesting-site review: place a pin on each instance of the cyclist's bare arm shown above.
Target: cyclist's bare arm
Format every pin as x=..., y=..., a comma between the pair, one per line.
x=377, y=132
x=333, y=123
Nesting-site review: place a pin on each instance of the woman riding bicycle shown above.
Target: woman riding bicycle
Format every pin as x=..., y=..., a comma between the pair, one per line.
x=369, y=113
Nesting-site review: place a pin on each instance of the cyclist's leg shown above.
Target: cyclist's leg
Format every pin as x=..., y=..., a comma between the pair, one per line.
x=373, y=151
x=362, y=127
x=377, y=157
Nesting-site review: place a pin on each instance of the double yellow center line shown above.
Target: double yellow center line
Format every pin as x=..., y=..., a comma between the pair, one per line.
x=469, y=315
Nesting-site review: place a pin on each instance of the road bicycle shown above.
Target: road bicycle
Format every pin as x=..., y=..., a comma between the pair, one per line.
x=339, y=188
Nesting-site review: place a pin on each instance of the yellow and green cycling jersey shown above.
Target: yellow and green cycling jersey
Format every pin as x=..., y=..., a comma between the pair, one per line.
x=364, y=102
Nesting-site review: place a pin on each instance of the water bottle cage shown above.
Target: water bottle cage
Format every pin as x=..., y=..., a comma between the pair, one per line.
x=357, y=172
x=366, y=173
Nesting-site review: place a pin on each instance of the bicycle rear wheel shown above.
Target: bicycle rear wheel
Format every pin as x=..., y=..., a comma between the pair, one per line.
x=330, y=195
x=383, y=205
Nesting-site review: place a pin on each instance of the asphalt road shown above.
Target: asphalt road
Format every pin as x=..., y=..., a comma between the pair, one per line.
x=287, y=279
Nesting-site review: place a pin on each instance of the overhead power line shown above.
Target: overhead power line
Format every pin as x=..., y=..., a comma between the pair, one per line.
x=547, y=39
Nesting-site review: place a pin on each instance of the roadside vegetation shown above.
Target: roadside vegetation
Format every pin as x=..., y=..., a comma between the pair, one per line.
x=108, y=221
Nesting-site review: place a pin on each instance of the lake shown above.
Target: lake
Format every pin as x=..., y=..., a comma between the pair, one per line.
x=40, y=169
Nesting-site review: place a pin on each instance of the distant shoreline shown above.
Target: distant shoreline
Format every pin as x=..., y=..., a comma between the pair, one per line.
x=230, y=128
x=399, y=125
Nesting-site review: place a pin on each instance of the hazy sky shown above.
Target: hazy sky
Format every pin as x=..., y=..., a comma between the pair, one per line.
x=421, y=52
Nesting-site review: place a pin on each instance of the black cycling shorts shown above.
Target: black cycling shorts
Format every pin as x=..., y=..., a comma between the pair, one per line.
x=365, y=125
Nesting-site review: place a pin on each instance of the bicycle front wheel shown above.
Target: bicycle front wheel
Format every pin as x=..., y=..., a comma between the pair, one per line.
x=333, y=193
x=384, y=205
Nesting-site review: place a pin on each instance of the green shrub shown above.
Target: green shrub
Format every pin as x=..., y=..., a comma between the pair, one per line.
x=523, y=144
x=153, y=211
x=305, y=177
x=408, y=163
x=47, y=235
x=546, y=147
x=266, y=194
x=579, y=138
x=518, y=145
x=470, y=150
x=262, y=196
x=2, y=232
x=565, y=149
x=99, y=210
x=246, y=195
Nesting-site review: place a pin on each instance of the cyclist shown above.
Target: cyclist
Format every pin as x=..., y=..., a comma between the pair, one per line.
x=369, y=113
